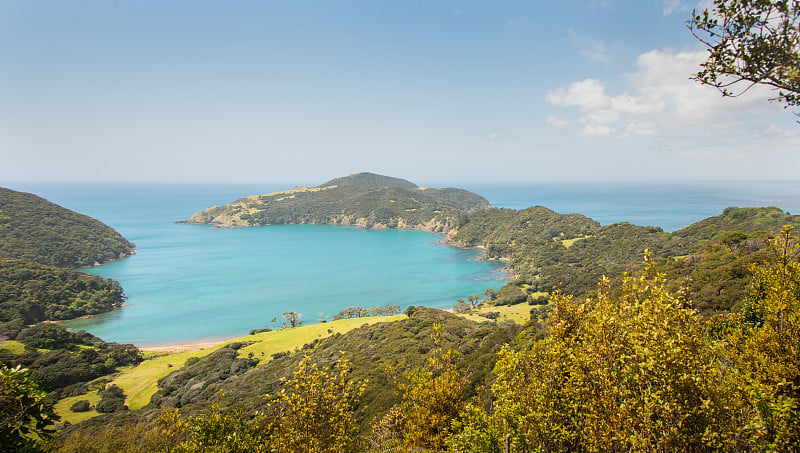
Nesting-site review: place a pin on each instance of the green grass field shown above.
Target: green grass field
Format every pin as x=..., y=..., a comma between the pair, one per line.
x=13, y=346
x=519, y=313
x=139, y=382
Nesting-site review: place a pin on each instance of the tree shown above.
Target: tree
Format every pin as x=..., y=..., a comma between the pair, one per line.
x=628, y=373
x=766, y=342
x=315, y=410
x=751, y=42
x=24, y=411
x=112, y=399
x=288, y=319
x=431, y=399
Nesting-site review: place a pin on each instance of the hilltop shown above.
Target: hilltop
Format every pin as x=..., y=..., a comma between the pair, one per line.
x=34, y=229
x=372, y=180
x=365, y=199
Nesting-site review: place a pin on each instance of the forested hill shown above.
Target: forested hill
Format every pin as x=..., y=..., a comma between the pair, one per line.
x=571, y=252
x=34, y=229
x=40, y=244
x=366, y=199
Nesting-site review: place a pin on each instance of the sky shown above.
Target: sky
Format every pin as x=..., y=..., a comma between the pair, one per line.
x=304, y=91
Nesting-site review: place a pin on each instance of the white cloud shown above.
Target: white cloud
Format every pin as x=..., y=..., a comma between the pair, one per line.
x=640, y=128
x=601, y=116
x=660, y=96
x=625, y=103
x=588, y=94
x=779, y=131
x=593, y=129
x=556, y=121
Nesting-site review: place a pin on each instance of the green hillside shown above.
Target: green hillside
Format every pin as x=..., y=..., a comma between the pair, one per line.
x=365, y=199
x=571, y=252
x=40, y=245
x=31, y=293
x=371, y=180
x=34, y=229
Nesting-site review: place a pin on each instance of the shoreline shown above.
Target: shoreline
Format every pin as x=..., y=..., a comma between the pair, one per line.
x=182, y=347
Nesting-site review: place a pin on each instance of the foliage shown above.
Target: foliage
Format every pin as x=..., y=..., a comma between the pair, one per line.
x=313, y=412
x=316, y=409
x=716, y=278
x=120, y=432
x=399, y=346
x=431, y=399
x=261, y=330
x=199, y=380
x=765, y=345
x=33, y=229
x=361, y=312
x=24, y=412
x=80, y=406
x=642, y=371
x=70, y=359
x=633, y=373
x=112, y=399
x=288, y=319
x=216, y=430
x=31, y=293
x=751, y=42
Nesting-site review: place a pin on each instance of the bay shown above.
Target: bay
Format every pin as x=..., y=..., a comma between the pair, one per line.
x=192, y=283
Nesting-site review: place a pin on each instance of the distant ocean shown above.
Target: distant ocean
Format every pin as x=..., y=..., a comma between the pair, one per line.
x=192, y=283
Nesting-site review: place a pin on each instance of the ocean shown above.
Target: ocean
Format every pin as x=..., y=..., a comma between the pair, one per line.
x=191, y=283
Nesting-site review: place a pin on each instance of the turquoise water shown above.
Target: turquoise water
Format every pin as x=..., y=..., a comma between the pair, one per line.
x=193, y=283
x=198, y=283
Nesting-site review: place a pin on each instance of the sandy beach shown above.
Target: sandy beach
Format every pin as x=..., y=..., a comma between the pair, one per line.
x=182, y=347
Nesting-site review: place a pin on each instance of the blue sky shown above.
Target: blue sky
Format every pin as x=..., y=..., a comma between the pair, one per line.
x=303, y=91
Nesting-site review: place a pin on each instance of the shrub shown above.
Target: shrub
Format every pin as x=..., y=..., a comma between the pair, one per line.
x=80, y=406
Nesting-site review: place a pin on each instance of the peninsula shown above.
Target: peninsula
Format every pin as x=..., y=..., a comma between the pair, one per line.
x=366, y=199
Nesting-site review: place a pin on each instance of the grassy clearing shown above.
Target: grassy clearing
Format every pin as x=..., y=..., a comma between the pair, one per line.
x=139, y=382
x=519, y=313
x=62, y=408
x=268, y=343
x=567, y=243
x=12, y=346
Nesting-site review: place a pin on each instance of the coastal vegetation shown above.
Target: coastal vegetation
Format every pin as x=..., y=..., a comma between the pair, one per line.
x=36, y=230
x=41, y=244
x=365, y=199
x=31, y=293
x=570, y=252
x=62, y=362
